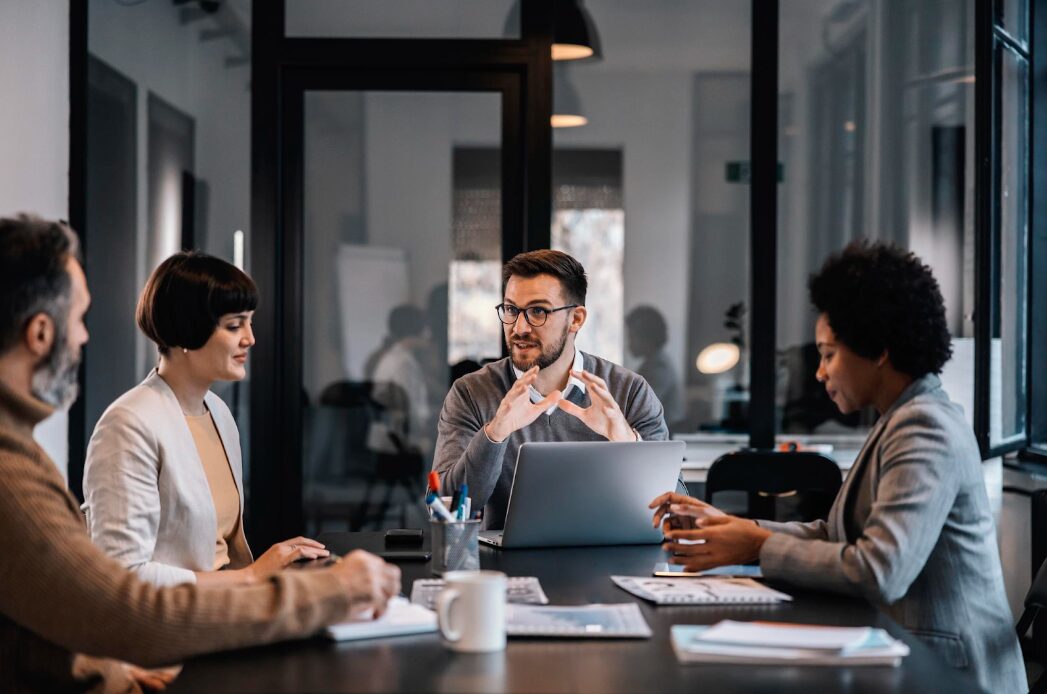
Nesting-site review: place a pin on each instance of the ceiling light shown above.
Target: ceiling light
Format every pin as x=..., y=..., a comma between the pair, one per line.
x=718, y=358
x=574, y=33
x=567, y=106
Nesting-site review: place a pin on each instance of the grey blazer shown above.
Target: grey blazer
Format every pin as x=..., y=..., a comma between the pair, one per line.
x=925, y=548
x=146, y=495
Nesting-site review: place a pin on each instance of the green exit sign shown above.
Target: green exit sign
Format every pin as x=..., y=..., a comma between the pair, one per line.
x=741, y=172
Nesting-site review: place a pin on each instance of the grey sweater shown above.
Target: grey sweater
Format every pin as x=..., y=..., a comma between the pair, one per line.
x=464, y=454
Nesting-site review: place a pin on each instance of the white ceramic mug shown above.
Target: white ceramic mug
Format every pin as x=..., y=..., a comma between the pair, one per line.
x=471, y=611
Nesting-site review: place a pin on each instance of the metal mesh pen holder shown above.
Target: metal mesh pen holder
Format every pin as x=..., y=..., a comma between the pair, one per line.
x=455, y=546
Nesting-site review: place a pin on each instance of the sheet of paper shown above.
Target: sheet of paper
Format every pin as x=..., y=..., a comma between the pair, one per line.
x=401, y=618
x=699, y=591
x=591, y=621
x=730, y=570
x=524, y=590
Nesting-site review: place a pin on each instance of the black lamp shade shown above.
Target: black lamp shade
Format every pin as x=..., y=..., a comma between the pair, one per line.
x=567, y=106
x=574, y=33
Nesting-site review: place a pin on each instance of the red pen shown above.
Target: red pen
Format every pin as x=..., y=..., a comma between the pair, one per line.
x=434, y=482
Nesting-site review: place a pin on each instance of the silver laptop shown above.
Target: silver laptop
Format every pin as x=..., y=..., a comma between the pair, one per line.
x=587, y=493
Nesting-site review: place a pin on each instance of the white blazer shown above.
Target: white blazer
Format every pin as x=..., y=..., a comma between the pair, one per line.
x=146, y=496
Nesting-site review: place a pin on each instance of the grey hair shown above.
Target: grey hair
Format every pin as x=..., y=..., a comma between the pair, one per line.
x=34, y=253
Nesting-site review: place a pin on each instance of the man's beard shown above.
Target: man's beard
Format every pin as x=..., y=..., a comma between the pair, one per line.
x=55, y=379
x=546, y=356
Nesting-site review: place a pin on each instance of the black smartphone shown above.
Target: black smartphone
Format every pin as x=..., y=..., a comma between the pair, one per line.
x=403, y=537
x=406, y=554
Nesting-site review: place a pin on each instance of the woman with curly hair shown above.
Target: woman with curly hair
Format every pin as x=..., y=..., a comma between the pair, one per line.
x=911, y=529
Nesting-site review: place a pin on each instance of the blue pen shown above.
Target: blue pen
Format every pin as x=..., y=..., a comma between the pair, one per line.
x=459, y=510
x=438, y=508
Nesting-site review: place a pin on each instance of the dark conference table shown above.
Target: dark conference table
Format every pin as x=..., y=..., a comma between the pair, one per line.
x=569, y=576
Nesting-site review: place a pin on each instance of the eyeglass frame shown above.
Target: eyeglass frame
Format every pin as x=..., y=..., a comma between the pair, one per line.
x=501, y=308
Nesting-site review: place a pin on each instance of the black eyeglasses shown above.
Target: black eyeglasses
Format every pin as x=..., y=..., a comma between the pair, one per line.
x=534, y=315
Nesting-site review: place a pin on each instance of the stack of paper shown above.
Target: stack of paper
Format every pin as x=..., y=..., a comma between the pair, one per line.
x=401, y=618
x=699, y=591
x=765, y=643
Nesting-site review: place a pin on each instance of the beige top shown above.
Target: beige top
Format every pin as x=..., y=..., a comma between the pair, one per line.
x=220, y=480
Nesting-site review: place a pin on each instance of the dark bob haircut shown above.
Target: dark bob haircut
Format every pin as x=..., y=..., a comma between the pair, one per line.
x=186, y=296
x=34, y=253
x=880, y=298
x=548, y=262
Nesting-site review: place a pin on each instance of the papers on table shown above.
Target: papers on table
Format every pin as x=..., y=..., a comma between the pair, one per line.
x=589, y=621
x=738, y=570
x=762, y=643
x=400, y=619
x=782, y=635
x=700, y=591
x=524, y=590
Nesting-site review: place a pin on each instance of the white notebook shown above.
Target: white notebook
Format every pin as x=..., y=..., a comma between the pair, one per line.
x=787, y=635
x=877, y=648
x=400, y=619
x=590, y=621
x=700, y=591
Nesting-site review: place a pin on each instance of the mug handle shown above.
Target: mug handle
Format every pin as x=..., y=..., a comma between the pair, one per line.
x=444, y=601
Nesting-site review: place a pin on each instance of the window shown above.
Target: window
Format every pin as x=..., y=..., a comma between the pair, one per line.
x=875, y=141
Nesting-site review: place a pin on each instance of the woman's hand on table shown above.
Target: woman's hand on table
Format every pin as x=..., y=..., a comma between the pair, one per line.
x=715, y=541
x=680, y=510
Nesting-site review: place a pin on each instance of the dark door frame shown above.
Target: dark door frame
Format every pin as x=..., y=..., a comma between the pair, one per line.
x=284, y=69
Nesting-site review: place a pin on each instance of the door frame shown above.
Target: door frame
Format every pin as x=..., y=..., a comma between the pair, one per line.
x=284, y=69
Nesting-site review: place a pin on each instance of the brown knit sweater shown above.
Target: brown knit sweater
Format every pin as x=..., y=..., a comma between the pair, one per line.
x=66, y=608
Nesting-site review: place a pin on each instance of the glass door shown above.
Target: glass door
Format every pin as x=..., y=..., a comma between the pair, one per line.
x=402, y=230
x=398, y=192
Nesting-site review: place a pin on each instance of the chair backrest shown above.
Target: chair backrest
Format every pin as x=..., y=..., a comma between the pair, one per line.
x=1037, y=595
x=773, y=473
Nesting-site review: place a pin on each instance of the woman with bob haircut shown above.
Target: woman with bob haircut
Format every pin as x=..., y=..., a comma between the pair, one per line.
x=163, y=483
x=911, y=529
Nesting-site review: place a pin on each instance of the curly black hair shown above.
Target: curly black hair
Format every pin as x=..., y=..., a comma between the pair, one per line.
x=878, y=297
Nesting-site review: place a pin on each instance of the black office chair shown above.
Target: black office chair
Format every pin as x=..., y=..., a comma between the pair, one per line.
x=1035, y=600
x=1035, y=649
x=768, y=475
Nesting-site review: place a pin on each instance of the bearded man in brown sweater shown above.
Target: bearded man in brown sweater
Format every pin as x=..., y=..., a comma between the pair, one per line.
x=71, y=618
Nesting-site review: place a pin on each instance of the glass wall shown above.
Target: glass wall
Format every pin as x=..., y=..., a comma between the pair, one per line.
x=402, y=271
x=168, y=167
x=876, y=141
x=648, y=193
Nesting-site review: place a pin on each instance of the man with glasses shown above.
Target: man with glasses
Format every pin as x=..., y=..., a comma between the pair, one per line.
x=546, y=390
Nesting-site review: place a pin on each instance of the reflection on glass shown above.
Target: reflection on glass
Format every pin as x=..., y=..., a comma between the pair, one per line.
x=402, y=19
x=1010, y=329
x=168, y=166
x=646, y=336
x=402, y=231
x=895, y=168
x=641, y=198
x=1014, y=18
x=596, y=239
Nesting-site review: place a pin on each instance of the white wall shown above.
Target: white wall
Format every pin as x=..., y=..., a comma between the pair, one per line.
x=34, y=134
x=648, y=117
